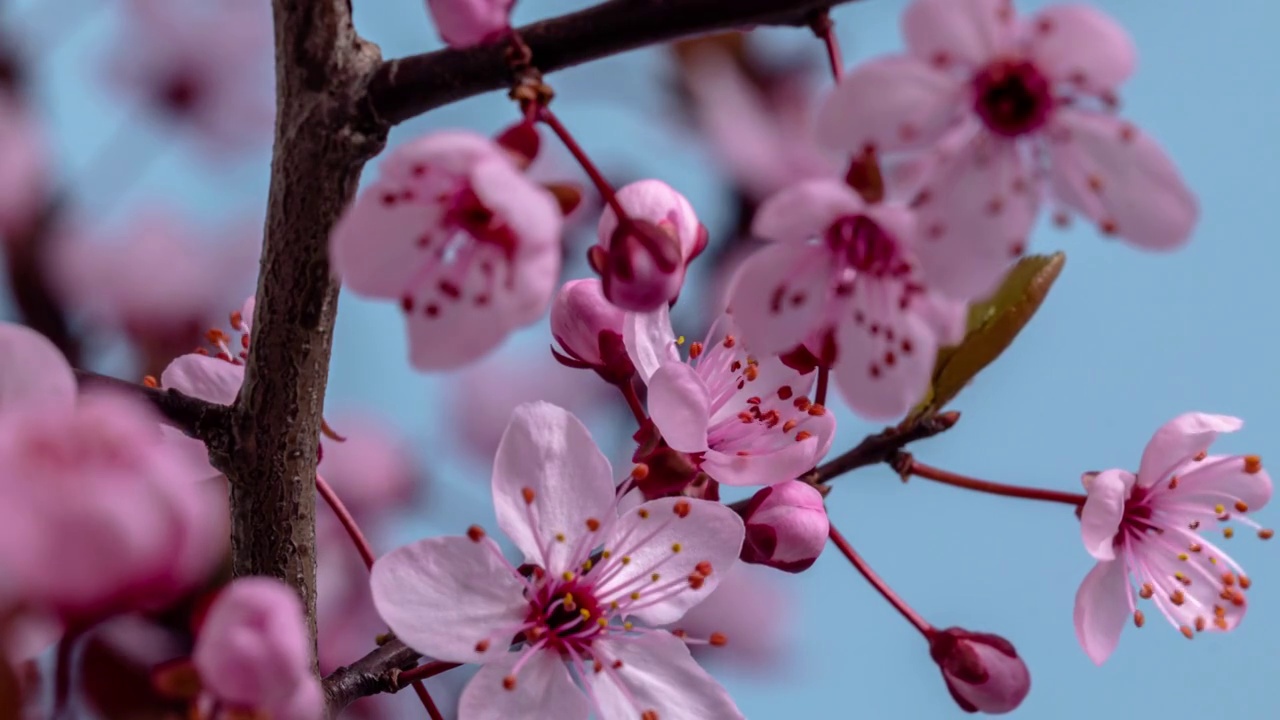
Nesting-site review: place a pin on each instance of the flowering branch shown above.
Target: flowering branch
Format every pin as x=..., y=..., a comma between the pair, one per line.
x=197, y=418
x=404, y=88
x=377, y=672
x=882, y=447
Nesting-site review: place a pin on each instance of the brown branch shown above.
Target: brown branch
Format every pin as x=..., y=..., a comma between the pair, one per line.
x=882, y=447
x=197, y=418
x=377, y=672
x=407, y=87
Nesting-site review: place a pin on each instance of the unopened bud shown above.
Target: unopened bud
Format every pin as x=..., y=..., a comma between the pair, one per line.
x=642, y=259
x=982, y=671
x=786, y=527
x=589, y=330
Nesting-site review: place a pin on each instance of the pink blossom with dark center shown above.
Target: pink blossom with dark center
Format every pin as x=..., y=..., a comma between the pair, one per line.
x=742, y=419
x=463, y=23
x=1012, y=108
x=1149, y=530
x=455, y=233
x=851, y=272
x=594, y=579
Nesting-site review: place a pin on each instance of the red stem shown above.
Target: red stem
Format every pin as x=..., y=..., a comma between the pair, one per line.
x=820, y=393
x=366, y=553
x=825, y=28
x=876, y=582
x=628, y=389
x=426, y=670
x=602, y=186
x=947, y=478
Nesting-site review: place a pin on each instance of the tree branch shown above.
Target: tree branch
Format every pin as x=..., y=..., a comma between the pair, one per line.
x=197, y=418
x=377, y=672
x=882, y=447
x=407, y=87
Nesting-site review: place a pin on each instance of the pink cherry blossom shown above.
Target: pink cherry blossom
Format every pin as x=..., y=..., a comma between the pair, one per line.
x=642, y=262
x=589, y=329
x=253, y=653
x=982, y=671
x=24, y=166
x=458, y=599
x=97, y=514
x=748, y=612
x=1148, y=528
x=216, y=377
x=203, y=65
x=463, y=23
x=841, y=266
x=786, y=527
x=1018, y=107
x=742, y=419
x=456, y=234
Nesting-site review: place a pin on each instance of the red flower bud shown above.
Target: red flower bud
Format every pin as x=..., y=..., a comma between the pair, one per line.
x=589, y=330
x=641, y=259
x=786, y=527
x=982, y=671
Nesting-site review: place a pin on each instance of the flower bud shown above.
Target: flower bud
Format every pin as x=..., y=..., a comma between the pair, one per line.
x=982, y=671
x=589, y=330
x=642, y=258
x=463, y=23
x=786, y=527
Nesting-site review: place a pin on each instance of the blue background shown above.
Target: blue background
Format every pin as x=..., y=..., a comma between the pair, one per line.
x=1126, y=341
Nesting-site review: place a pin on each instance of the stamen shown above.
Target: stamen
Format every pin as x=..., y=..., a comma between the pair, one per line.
x=476, y=533
x=1252, y=464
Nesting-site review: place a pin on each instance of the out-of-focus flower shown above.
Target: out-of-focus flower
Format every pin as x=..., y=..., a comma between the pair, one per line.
x=458, y=599
x=203, y=65
x=371, y=469
x=1013, y=107
x=642, y=261
x=983, y=671
x=253, y=653
x=455, y=233
x=24, y=166
x=1146, y=529
x=786, y=527
x=463, y=23
x=849, y=270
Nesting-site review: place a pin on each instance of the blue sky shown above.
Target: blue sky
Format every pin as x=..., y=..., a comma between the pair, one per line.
x=1126, y=341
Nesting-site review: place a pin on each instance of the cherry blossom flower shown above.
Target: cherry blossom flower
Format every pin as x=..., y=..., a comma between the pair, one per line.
x=983, y=671
x=253, y=653
x=1016, y=107
x=455, y=233
x=595, y=575
x=742, y=420
x=850, y=273
x=589, y=329
x=24, y=166
x=786, y=526
x=463, y=23
x=97, y=514
x=642, y=262
x=217, y=377
x=1148, y=528
x=202, y=65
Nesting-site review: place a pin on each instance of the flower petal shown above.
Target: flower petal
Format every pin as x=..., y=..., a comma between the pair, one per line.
x=670, y=537
x=882, y=378
x=547, y=455
x=680, y=406
x=1080, y=45
x=1103, y=511
x=374, y=246
x=1178, y=441
x=966, y=31
x=204, y=377
x=1114, y=174
x=33, y=369
x=778, y=296
x=889, y=104
x=657, y=674
x=446, y=596
x=1218, y=477
x=650, y=340
x=1102, y=609
x=543, y=689
x=765, y=468
x=805, y=210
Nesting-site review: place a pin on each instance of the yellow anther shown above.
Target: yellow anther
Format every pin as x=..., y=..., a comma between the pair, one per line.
x=568, y=576
x=675, y=547
x=559, y=537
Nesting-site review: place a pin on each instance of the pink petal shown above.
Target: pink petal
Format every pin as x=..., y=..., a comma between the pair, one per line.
x=463, y=23
x=970, y=32
x=889, y=104
x=543, y=689
x=1103, y=512
x=306, y=703
x=882, y=379
x=764, y=468
x=33, y=369
x=443, y=595
x=547, y=452
x=1178, y=441
x=374, y=246
x=650, y=341
x=473, y=330
x=1102, y=609
x=1216, y=477
x=204, y=377
x=1117, y=176
x=658, y=674
x=1080, y=45
x=706, y=532
x=805, y=210
x=975, y=216
x=680, y=406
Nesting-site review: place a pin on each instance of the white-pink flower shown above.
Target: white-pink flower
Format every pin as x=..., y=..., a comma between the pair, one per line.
x=743, y=419
x=841, y=266
x=593, y=574
x=454, y=232
x=1146, y=530
x=463, y=23
x=1014, y=107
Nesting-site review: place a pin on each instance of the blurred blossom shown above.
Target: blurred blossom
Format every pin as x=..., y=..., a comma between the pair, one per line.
x=372, y=470
x=23, y=166
x=462, y=23
x=748, y=609
x=203, y=65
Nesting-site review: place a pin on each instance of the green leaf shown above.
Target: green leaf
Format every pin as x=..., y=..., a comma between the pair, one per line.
x=993, y=324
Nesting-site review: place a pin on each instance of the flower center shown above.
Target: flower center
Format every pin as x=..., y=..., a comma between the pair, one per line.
x=1012, y=97
x=566, y=615
x=865, y=246
x=179, y=93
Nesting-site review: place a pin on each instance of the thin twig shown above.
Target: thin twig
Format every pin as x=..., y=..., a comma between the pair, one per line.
x=882, y=447
x=197, y=418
